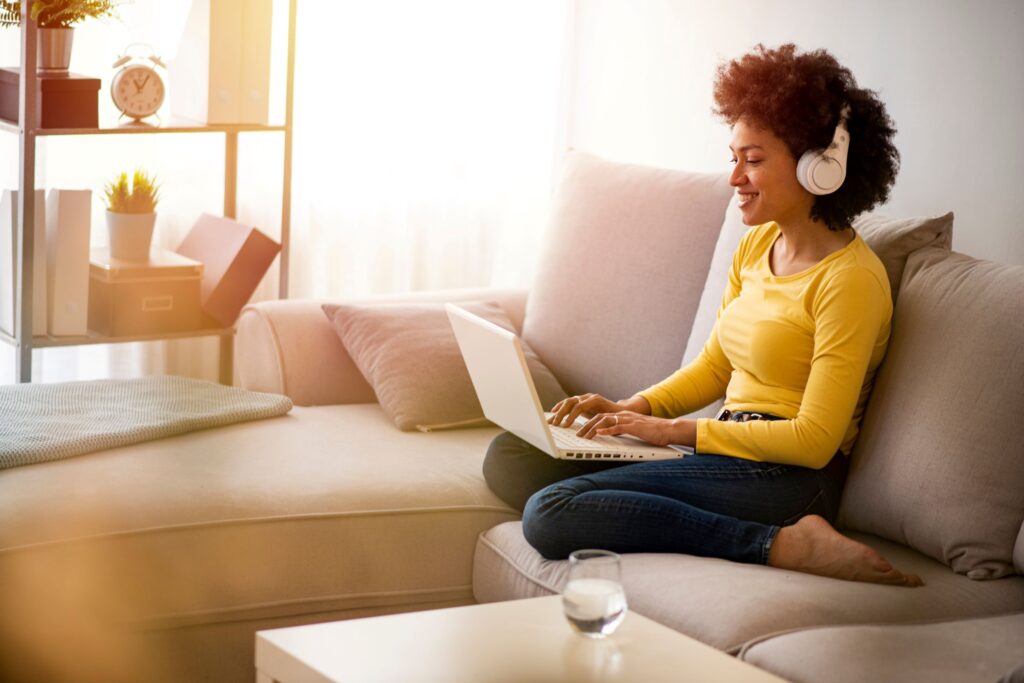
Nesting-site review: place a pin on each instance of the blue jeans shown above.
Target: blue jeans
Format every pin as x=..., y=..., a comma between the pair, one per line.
x=708, y=505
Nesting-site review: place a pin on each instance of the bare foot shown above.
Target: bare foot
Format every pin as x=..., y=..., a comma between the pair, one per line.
x=813, y=546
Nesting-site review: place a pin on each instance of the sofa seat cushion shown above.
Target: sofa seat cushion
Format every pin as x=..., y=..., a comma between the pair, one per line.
x=727, y=604
x=962, y=651
x=326, y=508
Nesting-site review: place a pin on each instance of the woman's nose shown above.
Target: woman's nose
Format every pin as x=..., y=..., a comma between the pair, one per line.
x=738, y=176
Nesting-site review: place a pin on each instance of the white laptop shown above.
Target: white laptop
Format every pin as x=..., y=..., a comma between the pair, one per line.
x=501, y=377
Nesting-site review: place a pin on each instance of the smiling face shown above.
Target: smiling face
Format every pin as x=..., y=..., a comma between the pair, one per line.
x=765, y=177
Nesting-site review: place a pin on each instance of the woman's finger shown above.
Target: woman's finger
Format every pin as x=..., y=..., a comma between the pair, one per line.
x=618, y=423
x=562, y=409
x=567, y=406
x=599, y=422
x=575, y=411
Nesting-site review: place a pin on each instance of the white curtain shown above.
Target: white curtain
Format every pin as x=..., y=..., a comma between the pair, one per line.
x=426, y=141
x=425, y=136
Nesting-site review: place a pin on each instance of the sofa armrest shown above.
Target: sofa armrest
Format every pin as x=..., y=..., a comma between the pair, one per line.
x=290, y=347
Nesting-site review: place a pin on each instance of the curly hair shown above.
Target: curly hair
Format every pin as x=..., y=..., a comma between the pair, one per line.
x=799, y=97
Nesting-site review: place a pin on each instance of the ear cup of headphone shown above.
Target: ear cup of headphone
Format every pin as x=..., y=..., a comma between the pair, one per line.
x=823, y=171
x=819, y=173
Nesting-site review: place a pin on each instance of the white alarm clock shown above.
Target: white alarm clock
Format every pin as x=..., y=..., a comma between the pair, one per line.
x=137, y=89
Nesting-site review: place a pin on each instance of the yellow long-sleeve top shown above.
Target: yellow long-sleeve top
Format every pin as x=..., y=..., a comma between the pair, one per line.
x=804, y=347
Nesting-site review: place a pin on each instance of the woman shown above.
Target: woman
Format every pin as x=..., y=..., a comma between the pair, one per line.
x=803, y=326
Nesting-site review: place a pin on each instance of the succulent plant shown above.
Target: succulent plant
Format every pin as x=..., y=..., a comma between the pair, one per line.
x=141, y=196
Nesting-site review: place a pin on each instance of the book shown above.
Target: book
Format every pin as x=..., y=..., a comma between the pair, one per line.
x=68, y=218
x=9, y=266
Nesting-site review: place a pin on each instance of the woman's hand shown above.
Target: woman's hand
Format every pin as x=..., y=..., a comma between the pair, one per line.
x=656, y=430
x=565, y=412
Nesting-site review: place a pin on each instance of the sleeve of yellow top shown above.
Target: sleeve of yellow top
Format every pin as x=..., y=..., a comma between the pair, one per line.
x=693, y=386
x=848, y=314
x=705, y=378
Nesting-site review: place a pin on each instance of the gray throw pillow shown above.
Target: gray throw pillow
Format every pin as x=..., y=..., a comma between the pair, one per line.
x=938, y=463
x=894, y=239
x=409, y=355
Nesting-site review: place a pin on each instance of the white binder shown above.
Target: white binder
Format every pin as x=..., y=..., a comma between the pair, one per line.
x=221, y=72
x=68, y=218
x=9, y=271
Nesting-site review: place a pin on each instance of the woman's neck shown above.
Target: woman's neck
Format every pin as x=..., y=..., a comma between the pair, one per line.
x=809, y=240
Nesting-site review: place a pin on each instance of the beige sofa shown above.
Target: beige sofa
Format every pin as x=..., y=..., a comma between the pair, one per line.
x=158, y=561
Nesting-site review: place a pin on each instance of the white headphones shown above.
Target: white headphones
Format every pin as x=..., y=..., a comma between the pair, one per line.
x=823, y=171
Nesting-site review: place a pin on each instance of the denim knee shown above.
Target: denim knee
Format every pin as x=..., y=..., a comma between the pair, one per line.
x=541, y=525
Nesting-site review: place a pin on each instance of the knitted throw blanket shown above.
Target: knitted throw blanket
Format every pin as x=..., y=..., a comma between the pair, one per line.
x=42, y=422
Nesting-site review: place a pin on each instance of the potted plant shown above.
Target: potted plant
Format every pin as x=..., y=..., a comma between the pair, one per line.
x=56, y=19
x=131, y=214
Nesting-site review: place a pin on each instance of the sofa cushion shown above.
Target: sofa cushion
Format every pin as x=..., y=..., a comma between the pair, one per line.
x=290, y=347
x=732, y=231
x=938, y=465
x=409, y=355
x=892, y=239
x=326, y=509
x=1018, y=551
x=626, y=257
x=961, y=651
x=726, y=604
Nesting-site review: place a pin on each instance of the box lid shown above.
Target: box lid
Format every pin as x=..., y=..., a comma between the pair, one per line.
x=162, y=265
x=53, y=82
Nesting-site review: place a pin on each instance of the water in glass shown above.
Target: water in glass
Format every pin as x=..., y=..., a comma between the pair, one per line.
x=593, y=599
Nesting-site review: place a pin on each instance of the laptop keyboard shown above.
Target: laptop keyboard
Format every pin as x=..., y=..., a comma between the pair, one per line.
x=565, y=437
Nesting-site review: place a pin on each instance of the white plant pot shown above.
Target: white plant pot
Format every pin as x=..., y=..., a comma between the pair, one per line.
x=130, y=235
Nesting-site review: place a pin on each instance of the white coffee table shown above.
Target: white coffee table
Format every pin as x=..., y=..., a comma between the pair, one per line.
x=523, y=641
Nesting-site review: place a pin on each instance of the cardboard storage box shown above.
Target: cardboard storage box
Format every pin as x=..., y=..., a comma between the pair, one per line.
x=235, y=258
x=62, y=100
x=136, y=298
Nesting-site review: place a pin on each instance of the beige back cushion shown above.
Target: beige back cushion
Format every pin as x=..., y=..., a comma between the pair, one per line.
x=625, y=262
x=939, y=464
x=892, y=239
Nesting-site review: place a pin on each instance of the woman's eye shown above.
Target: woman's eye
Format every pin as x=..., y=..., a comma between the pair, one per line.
x=732, y=161
x=754, y=162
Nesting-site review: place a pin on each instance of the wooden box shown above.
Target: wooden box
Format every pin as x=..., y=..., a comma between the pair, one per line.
x=62, y=101
x=136, y=298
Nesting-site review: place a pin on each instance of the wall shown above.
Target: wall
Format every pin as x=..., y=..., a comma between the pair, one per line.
x=950, y=73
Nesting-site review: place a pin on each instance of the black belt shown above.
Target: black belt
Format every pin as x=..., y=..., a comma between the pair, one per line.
x=726, y=415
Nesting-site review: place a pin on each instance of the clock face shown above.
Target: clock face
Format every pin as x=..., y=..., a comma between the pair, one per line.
x=137, y=90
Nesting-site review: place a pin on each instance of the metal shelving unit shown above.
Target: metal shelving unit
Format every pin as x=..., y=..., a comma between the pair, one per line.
x=23, y=340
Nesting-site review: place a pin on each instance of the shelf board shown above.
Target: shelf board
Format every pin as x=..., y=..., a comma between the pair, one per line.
x=47, y=341
x=171, y=125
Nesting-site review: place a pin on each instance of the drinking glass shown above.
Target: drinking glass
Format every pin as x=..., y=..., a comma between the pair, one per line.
x=593, y=599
